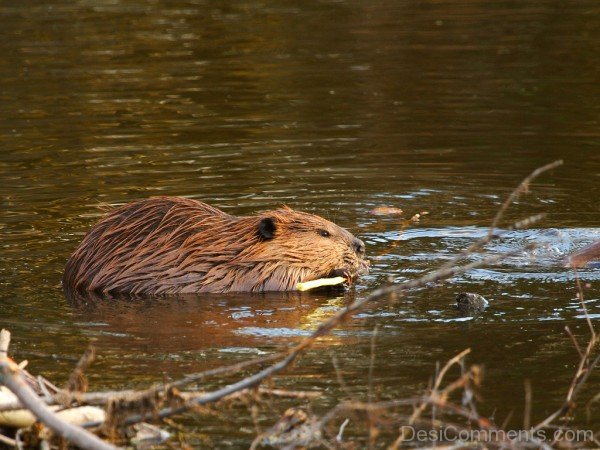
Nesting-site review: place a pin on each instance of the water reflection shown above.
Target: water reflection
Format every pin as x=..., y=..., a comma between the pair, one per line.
x=334, y=108
x=180, y=324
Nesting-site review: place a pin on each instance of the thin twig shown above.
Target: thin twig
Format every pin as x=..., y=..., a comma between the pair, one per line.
x=19, y=442
x=432, y=396
x=524, y=186
x=582, y=303
x=8, y=441
x=575, y=343
x=527, y=411
x=77, y=380
x=44, y=389
x=372, y=364
x=340, y=436
x=339, y=376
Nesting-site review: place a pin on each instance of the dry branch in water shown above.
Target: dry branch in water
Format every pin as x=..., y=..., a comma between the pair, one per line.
x=131, y=407
x=431, y=413
x=11, y=378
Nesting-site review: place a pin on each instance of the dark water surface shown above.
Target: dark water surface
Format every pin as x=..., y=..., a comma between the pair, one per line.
x=329, y=107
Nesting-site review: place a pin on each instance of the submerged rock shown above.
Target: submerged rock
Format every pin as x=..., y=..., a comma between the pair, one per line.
x=470, y=303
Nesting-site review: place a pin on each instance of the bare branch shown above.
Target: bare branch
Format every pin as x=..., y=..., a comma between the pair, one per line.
x=523, y=187
x=10, y=377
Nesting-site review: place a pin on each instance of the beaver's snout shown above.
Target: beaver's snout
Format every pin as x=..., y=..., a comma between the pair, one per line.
x=360, y=266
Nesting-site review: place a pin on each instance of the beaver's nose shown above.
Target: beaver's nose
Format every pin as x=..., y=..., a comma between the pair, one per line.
x=358, y=246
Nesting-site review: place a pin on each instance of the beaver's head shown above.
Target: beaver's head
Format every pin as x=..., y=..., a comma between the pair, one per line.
x=296, y=247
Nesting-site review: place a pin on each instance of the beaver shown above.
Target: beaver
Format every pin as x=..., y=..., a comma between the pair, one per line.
x=171, y=245
x=588, y=255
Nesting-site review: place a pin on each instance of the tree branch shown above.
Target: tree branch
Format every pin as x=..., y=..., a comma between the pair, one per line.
x=10, y=377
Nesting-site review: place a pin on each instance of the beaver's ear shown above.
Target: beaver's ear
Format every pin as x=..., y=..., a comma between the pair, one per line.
x=266, y=228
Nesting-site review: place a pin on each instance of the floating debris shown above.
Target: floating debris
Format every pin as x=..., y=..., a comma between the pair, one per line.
x=386, y=211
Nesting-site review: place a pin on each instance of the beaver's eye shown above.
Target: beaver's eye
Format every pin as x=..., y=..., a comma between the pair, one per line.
x=324, y=233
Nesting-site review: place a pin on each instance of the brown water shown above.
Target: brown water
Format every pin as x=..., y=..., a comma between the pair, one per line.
x=329, y=107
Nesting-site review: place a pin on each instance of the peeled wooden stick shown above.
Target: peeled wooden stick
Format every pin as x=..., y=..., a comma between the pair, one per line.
x=320, y=282
x=23, y=418
x=10, y=377
x=8, y=441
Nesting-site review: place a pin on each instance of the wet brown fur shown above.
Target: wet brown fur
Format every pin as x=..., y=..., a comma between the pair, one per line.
x=174, y=245
x=583, y=256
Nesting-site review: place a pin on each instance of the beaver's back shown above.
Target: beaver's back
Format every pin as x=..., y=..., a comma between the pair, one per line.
x=113, y=254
